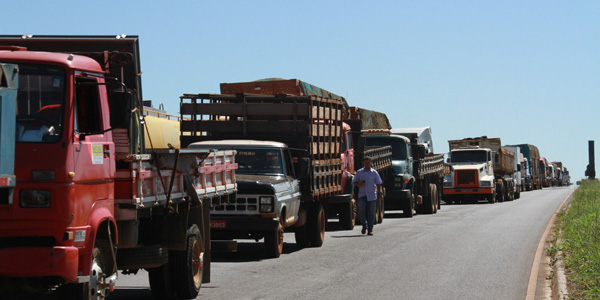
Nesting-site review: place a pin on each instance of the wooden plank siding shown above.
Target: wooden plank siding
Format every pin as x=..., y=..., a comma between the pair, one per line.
x=306, y=122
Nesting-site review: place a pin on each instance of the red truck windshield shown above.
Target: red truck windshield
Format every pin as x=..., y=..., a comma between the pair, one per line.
x=40, y=101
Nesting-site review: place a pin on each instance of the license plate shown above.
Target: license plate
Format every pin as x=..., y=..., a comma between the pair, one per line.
x=467, y=190
x=218, y=224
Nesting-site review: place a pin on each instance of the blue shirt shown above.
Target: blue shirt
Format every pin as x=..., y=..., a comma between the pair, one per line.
x=371, y=179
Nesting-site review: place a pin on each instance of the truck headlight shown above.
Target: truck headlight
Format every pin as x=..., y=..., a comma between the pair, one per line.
x=267, y=204
x=448, y=184
x=34, y=198
x=486, y=184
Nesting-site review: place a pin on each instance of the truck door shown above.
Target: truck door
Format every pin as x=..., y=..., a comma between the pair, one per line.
x=94, y=166
x=293, y=182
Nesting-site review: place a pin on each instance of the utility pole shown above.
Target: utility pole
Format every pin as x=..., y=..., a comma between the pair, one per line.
x=590, y=172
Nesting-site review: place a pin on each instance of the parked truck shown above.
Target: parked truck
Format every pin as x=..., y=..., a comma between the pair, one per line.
x=545, y=171
x=416, y=177
x=95, y=193
x=517, y=175
x=308, y=125
x=362, y=123
x=481, y=169
x=532, y=155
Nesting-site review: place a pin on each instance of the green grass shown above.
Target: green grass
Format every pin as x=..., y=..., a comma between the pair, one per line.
x=579, y=227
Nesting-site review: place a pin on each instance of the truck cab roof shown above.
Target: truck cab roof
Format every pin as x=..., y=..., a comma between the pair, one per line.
x=419, y=135
x=78, y=62
x=237, y=144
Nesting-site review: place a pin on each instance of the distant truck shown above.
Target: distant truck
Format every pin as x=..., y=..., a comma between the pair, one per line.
x=517, y=175
x=532, y=155
x=481, y=169
x=95, y=192
x=416, y=178
x=545, y=171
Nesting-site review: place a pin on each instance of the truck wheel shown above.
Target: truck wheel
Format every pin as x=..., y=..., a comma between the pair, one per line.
x=436, y=200
x=347, y=215
x=381, y=210
x=160, y=283
x=500, y=192
x=428, y=202
x=301, y=236
x=186, y=267
x=408, y=207
x=377, y=210
x=89, y=290
x=274, y=241
x=316, y=225
x=491, y=198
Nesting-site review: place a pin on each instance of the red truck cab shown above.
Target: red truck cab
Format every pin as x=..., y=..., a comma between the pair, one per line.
x=65, y=188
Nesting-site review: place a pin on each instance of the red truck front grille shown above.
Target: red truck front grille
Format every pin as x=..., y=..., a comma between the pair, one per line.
x=466, y=178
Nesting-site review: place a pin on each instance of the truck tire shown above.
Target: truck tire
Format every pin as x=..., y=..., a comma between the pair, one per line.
x=428, y=202
x=186, y=267
x=160, y=283
x=377, y=210
x=408, y=209
x=491, y=198
x=381, y=210
x=301, y=236
x=439, y=198
x=436, y=200
x=143, y=257
x=316, y=225
x=500, y=192
x=274, y=242
x=347, y=215
x=89, y=290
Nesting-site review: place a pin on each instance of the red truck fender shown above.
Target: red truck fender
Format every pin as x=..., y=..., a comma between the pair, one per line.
x=101, y=224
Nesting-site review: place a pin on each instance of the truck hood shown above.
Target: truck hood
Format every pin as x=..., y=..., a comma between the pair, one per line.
x=261, y=184
x=399, y=166
x=468, y=166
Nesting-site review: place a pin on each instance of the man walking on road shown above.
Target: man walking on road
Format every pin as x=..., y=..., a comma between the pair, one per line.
x=369, y=183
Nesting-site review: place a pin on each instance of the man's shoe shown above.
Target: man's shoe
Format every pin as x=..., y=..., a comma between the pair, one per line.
x=370, y=233
x=363, y=231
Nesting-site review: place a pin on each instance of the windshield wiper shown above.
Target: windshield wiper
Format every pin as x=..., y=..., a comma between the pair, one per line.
x=247, y=167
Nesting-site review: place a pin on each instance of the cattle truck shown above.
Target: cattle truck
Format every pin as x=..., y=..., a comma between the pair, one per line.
x=95, y=192
x=481, y=169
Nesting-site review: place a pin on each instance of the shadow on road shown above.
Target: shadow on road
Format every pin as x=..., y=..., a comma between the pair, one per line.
x=249, y=252
x=130, y=293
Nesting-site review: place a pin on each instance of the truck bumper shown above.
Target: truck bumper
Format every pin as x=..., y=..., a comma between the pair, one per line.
x=218, y=223
x=39, y=262
x=394, y=199
x=469, y=191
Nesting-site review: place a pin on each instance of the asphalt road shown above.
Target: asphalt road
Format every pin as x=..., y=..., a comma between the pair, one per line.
x=465, y=251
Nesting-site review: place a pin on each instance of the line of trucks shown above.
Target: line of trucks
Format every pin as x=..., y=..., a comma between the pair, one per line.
x=94, y=180
x=482, y=169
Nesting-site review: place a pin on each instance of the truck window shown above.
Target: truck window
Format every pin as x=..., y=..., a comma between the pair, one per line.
x=259, y=161
x=469, y=156
x=289, y=164
x=40, y=104
x=398, y=145
x=88, y=117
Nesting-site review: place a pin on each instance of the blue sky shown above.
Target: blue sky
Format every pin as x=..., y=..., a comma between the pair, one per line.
x=524, y=71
